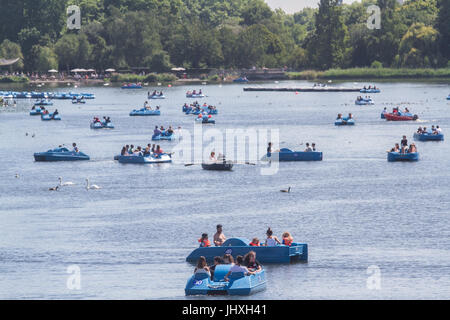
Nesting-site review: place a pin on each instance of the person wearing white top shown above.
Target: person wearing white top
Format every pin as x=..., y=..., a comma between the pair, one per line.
x=238, y=268
x=271, y=239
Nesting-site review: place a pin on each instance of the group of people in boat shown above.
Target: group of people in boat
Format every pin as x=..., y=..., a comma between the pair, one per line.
x=106, y=120
x=309, y=148
x=403, y=147
x=339, y=117
x=194, y=92
x=161, y=131
x=397, y=111
x=155, y=94
x=247, y=265
x=271, y=240
x=370, y=87
x=434, y=130
x=214, y=159
x=148, y=107
x=196, y=107
x=75, y=98
x=242, y=264
x=360, y=98
x=150, y=150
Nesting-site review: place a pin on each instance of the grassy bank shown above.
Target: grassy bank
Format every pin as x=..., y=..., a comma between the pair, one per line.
x=371, y=73
x=151, y=78
x=13, y=79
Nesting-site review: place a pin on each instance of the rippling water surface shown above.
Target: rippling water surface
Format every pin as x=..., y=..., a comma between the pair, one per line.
x=130, y=238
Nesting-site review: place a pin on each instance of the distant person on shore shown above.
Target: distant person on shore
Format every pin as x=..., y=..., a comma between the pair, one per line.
x=219, y=237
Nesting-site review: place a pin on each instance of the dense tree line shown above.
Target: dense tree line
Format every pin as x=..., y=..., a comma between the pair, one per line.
x=159, y=34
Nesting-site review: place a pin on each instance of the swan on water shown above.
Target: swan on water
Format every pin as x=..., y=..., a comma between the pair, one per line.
x=89, y=186
x=68, y=183
x=286, y=191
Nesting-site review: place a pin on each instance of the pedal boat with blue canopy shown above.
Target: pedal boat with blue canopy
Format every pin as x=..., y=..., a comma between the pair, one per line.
x=397, y=156
x=36, y=112
x=101, y=125
x=164, y=137
x=344, y=122
x=364, y=102
x=156, y=96
x=240, y=246
x=289, y=155
x=164, y=158
x=43, y=103
x=145, y=112
x=60, y=154
x=239, y=284
x=371, y=90
x=49, y=116
x=428, y=136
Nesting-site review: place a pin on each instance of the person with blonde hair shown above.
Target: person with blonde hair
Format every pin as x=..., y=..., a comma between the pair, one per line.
x=287, y=239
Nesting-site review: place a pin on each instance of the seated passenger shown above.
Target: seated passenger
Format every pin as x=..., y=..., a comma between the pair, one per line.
x=75, y=148
x=438, y=130
x=212, y=157
x=419, y=131
x=147, y=150
x=202, y=267
x=287, y=239
x=227, y=259
x=308, y=148
x=217, y=261
x=204, y=242
x=255, y=242
x=313, y=146
x=124, y=152
x=169, y=131
x=412, y=148
x=404, y=142
x=251, y=263
x=158, y=152
x=350, y=116
x=238, y=268
x=156, y=132
x=271, y=240
x=339, y=116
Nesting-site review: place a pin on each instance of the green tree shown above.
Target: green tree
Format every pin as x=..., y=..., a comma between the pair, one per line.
x=328, y=44
x=419, y=47
x=44, y=59
x=443, y=26
x=12, y=50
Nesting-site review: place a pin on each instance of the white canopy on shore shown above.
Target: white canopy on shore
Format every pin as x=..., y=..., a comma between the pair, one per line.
x=52, y=71
x=110, y=70
x=178, y=69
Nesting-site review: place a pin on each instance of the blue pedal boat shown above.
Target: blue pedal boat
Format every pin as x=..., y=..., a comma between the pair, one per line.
x=240, y=246
x=160, y=137
x=448, y=98
x=195, y=96
x=289, y=155
x=238, y=284
x=101, y=125
x=397, y=156
x=132, y=86
x=43, y=103
x=155, y=97
x=145, y=112
x=49, y=116
x=241, y=80
x=364, y=102
x=344, y=122
x=60, y=154
x=36, y=112
x=164, y=158
x=78, y=101
x=428, y=136
x=206, y=120
x=370, y=90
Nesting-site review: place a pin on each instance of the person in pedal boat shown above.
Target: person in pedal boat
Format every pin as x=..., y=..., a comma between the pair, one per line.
x=271, y=240
x=204, y=241
x=219, y=237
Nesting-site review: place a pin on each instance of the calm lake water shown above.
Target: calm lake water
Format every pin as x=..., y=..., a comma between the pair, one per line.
x=130, y=239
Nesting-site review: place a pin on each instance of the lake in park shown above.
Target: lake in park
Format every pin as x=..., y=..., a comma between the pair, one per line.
x=360, y=215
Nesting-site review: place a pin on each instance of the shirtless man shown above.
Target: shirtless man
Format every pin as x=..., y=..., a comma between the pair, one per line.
x=219, y=237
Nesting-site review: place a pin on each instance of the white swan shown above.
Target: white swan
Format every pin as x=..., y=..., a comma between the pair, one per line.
x=68, y=183
x=89, y=186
